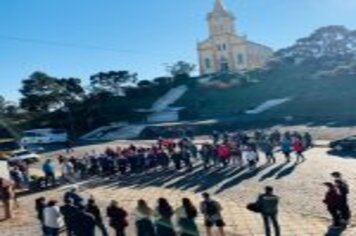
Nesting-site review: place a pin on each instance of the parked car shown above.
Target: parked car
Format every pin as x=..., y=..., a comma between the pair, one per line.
x=344, y=145
x=23, y=155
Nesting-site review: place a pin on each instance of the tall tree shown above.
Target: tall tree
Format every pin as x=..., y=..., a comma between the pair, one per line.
x=112, y=82
x=42, y=93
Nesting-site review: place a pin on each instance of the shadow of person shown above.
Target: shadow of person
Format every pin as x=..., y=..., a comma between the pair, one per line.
x=287, y=171
x=273, y=171
x=248, y=174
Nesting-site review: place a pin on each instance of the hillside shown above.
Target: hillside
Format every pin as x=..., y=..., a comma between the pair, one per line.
x=317, y=74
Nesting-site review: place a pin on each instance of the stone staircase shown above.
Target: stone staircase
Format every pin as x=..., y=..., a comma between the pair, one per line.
x=160, y=110
x=169, y=98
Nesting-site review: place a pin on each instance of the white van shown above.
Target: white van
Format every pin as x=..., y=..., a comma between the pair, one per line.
x=44, y=136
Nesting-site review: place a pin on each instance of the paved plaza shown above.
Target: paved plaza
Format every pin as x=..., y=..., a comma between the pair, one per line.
x=302, y=212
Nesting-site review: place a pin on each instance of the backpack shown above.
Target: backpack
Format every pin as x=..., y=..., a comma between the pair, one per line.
x=211, y=208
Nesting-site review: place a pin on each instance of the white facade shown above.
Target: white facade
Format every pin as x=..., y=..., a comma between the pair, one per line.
x=225, y=50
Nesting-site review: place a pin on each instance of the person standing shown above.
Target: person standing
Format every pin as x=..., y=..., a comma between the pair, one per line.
x=7, y=196
x=286, y=146
x=40, y=205
x=211, y=210
x=251, y=157
x=49, y=172
x=143, y=217
x=344, y=190
x=332, y=202
x=73, y=195
x=164, y=225
x=268, y=203
x=94, y=210
x=186, y=215
x=69, y=211
x=53, y=220
x=267, y=148
x=224, y=154
x=298, y=148
x=117, y=218
x=84, y=223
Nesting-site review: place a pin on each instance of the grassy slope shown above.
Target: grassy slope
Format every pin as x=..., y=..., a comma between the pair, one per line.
x=325, y=99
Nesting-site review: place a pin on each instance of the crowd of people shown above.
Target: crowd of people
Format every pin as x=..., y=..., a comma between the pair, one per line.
x=81, y=217
x=235, y=149
x=239, y=149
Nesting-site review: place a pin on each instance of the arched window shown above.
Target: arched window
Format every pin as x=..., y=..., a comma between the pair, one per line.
x=207, y=63
x=240, y=59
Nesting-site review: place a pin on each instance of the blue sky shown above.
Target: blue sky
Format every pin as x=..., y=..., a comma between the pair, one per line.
x=140, y=35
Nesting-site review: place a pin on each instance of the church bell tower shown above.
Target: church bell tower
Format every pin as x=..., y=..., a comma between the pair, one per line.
x=220, y=20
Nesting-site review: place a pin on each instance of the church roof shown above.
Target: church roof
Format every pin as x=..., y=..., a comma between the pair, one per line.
x=219, y=6
x=220, y=10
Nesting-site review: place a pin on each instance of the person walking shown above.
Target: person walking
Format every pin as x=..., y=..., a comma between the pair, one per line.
x=53, y=220
x=268, y=204
x=143, y=217
x=93, y=209
x=186, y=215
x=344, y=191
x=164, y=212
x=332, y=201
x=117, y=218
x=68, y=210
x=211, y=210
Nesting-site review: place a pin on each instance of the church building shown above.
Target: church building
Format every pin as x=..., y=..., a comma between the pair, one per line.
x=225, y=50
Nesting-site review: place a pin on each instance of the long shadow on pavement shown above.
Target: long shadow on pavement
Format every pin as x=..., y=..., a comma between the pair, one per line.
x=240, y=178
x=273, y=171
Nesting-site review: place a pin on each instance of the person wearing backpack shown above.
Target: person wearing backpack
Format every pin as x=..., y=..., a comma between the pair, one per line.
x=268, y=206
x=211, y=210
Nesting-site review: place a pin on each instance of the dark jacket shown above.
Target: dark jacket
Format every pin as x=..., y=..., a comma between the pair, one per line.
x=117, y=217
x=84, y=224
x=69, y=213
x=95, y=211
x=268, y=204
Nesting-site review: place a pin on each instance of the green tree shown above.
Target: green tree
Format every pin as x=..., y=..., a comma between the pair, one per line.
x=43, y=93
x=181, y=68
x=144, y=84
x=111, y=82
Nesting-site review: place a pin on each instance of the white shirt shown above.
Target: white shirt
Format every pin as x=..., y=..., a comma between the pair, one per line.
x=67, y=168
x=249, y=155
x=53, y=217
